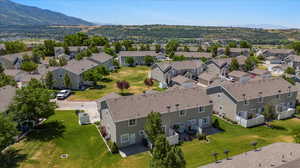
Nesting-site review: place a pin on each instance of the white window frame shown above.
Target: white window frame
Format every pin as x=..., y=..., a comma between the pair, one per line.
x=182, y=115
x=260, y=100
x=201, y=109
x=134, y=122
x=122, y=138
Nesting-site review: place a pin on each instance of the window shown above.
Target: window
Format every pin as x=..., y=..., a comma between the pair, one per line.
x=290, y=104
x=124, y=138
x=289, y=94
x=132, y=122
x=142, y=132
x=260, y=100
x=201, y=109
x=260, y=110
x=182, y=113
x=246, y=102
x=60, y=76
x=205, y=121
x=278, y=96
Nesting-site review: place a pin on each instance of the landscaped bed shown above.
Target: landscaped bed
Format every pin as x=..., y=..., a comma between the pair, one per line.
x=84, y=147
x=134, y=75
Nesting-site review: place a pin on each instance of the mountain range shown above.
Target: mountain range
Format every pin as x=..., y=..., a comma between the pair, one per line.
x=12, y=13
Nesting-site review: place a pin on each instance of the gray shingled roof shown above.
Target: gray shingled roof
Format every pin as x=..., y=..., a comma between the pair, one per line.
x=81, y=66
x=279, y=51
x=137, y=53
x=181, y=79
x=139, y=106
x=256, y=88
x=238, y=74
x=76, y=48
x=236, y=50
x=180, y=65
x=7, y=93
x=208, y=76
x=222, y=61
x=13, y=57
x=257, y=71
x=194, y=54
x=100, y=58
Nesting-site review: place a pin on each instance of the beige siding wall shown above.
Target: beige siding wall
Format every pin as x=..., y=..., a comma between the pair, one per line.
x=223, y=104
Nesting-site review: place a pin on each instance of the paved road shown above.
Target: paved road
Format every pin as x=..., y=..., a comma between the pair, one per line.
x=89, y=107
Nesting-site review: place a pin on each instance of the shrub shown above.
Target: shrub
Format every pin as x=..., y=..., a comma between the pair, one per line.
x=216, y=123
x=103, y=131
x=97, y=123
x=201, y=137
x=298, y=109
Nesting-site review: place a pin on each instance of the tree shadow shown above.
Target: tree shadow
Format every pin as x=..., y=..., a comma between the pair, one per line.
x=11, y=158
x=98, y=87
x=126, y=94
x=47, y=131
x=106, y=80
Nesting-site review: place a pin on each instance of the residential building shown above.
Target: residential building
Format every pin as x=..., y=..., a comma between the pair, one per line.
x=123, y=118
x=13, y=61
x=245, y=102
x=275, y=56
x=183, y=81
x=165, y=71
x=261, y=73
x=194, y=55
x=74, y=50
x=7, y=94
x=239, y=76
x=234, y=52
x=138, y=56
x=75, y=69
x=207, y=78
x=221, y=65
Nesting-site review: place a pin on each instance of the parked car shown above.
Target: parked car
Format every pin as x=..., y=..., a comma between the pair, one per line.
x=63, y=94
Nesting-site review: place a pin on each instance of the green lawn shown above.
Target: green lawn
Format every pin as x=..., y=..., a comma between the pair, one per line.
x=62, y=134
x=134, y=75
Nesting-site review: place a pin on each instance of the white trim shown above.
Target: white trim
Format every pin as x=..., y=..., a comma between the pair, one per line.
x=182, y=115
x=122, y=138
x=201, y=109
x=135, y=121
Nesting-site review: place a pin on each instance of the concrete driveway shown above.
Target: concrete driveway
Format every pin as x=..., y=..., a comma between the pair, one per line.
x=89, y=107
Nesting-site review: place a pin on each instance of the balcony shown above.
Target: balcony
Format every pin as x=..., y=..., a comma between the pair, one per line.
x=286, y=114
x=258, y=120
x=173, y=137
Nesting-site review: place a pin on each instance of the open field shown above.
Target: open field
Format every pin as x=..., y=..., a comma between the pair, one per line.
x=134, y=75
x=62, y=134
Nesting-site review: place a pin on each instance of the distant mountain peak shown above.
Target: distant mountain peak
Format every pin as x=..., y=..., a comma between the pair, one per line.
x=12, y=13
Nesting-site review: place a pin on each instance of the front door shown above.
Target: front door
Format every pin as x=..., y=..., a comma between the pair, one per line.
x=132, y=139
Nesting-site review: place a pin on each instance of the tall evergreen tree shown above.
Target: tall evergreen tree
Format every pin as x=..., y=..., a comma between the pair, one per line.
x=49, y=80
x=153, y=127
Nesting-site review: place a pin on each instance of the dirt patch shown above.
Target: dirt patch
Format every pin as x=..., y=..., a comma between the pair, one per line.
x=286, y=138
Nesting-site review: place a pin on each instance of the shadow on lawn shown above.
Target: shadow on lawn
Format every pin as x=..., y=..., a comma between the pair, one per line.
x=106, y=80
x=47, y=131
x=126, y=94
x=11, y=158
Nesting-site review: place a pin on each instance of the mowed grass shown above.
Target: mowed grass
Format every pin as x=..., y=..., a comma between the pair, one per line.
x=134, y=75
x=62, y=134
x=86, y=148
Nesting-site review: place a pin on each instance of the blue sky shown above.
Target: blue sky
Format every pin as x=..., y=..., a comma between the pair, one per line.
x=183, y=12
